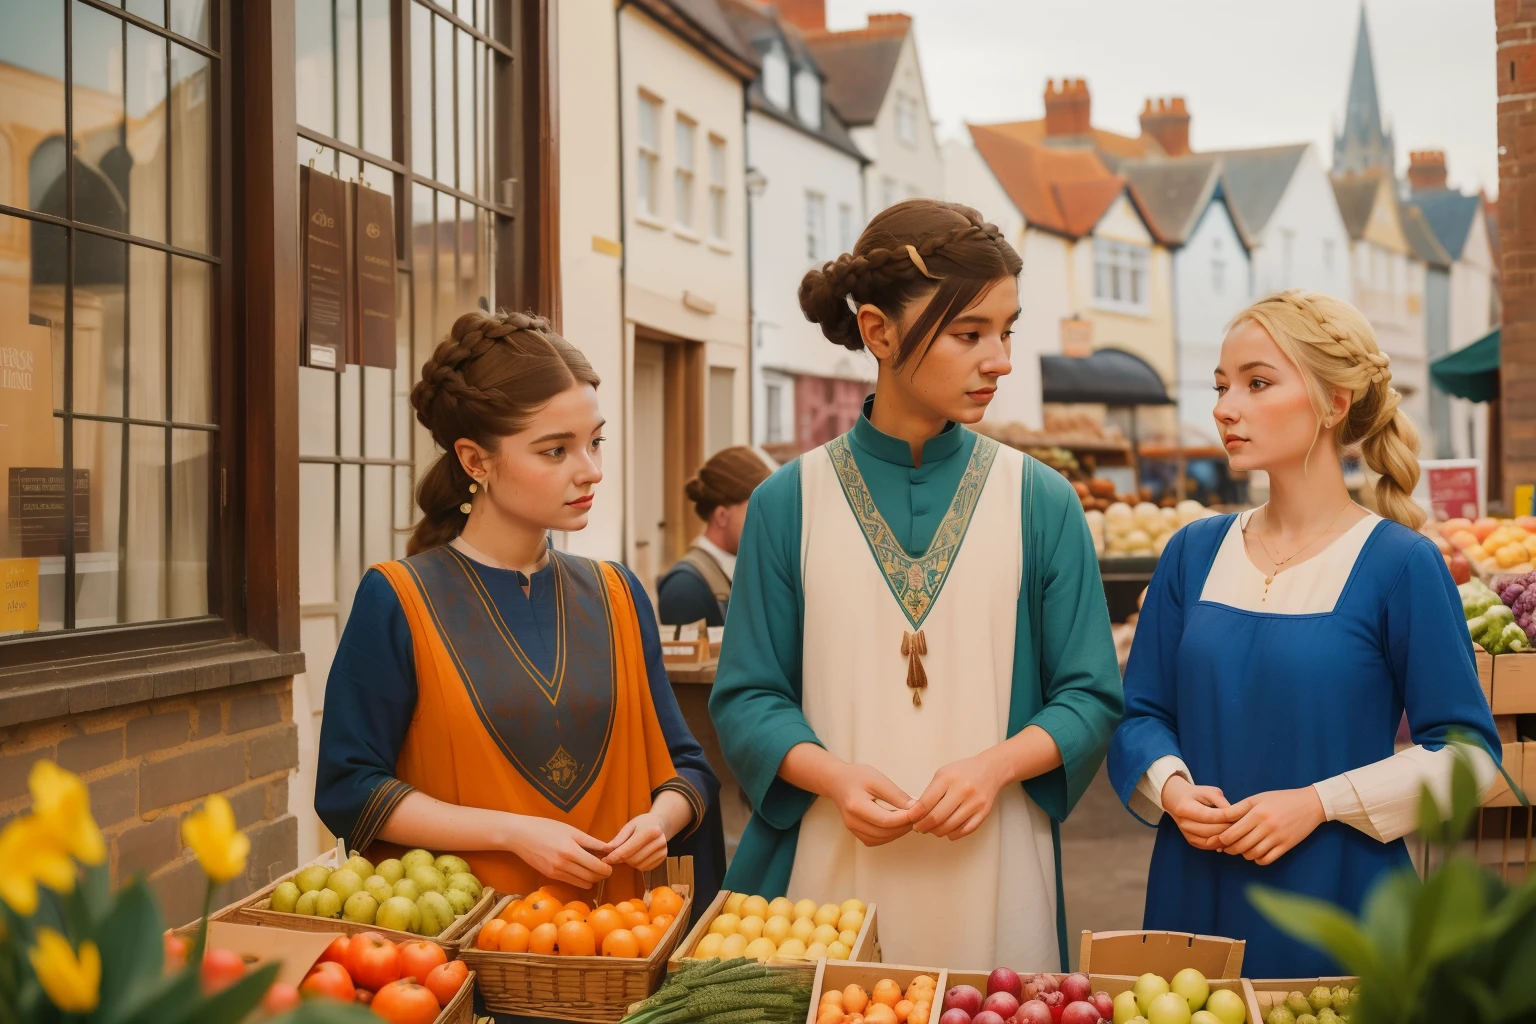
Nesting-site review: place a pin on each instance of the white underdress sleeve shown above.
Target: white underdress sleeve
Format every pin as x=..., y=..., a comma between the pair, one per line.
x=1147, y=797
x=1382, y=799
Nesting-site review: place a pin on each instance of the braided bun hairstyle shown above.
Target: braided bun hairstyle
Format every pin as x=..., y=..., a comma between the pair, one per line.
x=484, y=382
x=1335, y=347
x=915, y=247
x=728, y=478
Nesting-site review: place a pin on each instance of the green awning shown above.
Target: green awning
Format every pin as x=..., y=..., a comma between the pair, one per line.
x=1472, y=372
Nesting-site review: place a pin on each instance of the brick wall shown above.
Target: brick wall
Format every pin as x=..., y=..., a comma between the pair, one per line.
x=1516, y=73
x=148, y=765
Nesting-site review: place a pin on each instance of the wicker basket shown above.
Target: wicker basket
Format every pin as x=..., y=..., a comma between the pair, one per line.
x=866, y=948
x=596, y=989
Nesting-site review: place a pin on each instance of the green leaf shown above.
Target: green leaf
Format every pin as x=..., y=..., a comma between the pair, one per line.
x=171, y=1000
x=1447, y=918
x=328, y=1011
x=1386, y=917
x=1464, y=802
x=1431, y=821
x=132, y=952
x=1517, y=988
x=1317, y=923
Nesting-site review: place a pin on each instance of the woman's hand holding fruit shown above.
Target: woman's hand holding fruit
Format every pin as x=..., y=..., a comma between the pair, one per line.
x=960, y=797
x=1268, y=825
x=873, y=807
x=558, y=851
x=642, y=843
x=1201, y=812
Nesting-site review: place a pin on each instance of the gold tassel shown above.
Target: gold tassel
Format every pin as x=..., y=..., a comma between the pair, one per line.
x=913, y=647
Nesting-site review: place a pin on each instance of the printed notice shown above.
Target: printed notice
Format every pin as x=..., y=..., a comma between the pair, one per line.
x=327, y=310
x=374, y=246
x=18, y=595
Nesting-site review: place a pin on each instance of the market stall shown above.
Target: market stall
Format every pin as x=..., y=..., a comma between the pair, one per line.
x=1472, y=373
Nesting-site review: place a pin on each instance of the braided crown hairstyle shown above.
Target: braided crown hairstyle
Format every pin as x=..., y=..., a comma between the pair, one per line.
x=485, y=381
x=1335, y=347
x=912, y=248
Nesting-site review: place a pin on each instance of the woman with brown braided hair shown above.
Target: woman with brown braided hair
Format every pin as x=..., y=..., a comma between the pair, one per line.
x=918, y=679
x=1278, y=650
x=493, y=697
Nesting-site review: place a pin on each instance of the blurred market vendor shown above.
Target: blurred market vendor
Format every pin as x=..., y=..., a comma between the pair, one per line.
x=495, y=698
x=698, y=586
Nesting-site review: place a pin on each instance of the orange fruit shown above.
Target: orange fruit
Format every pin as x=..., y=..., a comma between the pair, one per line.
x=603, y=922
x=564, y=916
x=662, y=920
x=621, y=943
x=513, y=939
x=576, y=939
x=635, y=918
x=490, y=932
x=647, y=935
x=543, y=938
x=887, y=992
x=542, y=911
x=522, y=915
x=665, y=901
x=511, y=909
x=578, y=907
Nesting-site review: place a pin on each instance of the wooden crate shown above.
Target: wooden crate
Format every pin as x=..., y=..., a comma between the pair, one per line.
x=1114, y=984
x=1514, y=684
x=839, y=974
x=866, y=948
x=595, y=989
x=1135, y=953
x=1266, y=993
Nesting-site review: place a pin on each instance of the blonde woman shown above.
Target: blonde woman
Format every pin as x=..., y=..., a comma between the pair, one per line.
x=1278, y=649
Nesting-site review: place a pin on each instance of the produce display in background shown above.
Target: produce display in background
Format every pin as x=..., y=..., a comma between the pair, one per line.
x=1501, y=624
x=1125, y=532
x=540, y=923
x=886, y=1004
x=761, y=929
x=418, y=893
x=404, y=983
x=1070, y=999
x=1489, y=546
x=1322, y=1005
x=726, y=992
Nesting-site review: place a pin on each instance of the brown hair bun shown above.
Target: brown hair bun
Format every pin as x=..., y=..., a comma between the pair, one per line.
x=728, y=478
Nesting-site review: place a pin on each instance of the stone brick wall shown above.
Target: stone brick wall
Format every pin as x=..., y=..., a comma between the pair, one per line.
x=148, y=765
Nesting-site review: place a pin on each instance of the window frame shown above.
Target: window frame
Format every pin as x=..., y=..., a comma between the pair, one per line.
x=846, y=238
x=1115, y=261
x=685, y=180
x=807, y=93
x=648, y=155
x=906, y=120
x=718, y=150
x=815, y=225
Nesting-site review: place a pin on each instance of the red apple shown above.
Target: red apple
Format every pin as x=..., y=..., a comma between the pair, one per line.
x=955, y=1015
x=1077, y=988
x=1105, y=1004
x=1055, y=1002
x=1033, y=1012
x=963, y=997
x=1080, y=1011
x=1004, y=980
x=986, y=1017
x=1004, y=1004
x=221, y=969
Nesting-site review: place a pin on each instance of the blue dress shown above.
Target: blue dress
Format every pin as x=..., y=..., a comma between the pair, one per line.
x=1255, y=702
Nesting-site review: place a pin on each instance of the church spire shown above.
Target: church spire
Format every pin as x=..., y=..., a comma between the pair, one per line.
x=1363, y=145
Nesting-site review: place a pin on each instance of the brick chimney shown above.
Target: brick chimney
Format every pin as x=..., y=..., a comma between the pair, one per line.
x=1167, y=121
x=896, y=23
x=1426, y=170
x=1067, y=108
x=807, y=15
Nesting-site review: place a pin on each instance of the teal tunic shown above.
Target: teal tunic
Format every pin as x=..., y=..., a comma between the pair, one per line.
x=1065, y=676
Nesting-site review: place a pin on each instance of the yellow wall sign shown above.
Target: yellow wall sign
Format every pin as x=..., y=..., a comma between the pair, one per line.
x=18, y=595
x=1523, y=502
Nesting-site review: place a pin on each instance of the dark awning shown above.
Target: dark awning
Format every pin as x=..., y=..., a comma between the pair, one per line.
x=1472, y=372
x=1108, y=377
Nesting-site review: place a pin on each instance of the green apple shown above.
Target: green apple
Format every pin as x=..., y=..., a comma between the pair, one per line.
x=1169, y=1008
x=398, y=914
x=360, y=864
x=391, y=870
x=312, y=878
x=465, y=881
x=1147, y=988
x=378, y=888
x=344, y=882
x=416, y=859
x=1204, y=1017
x=360, y=907
x=1191, y=984
x=328, y=903
x=1227, y=1006
x=1125, y=1007
x=461, y=901
x=307, y=903
x=436, y=913
x=285, y=897
x=428, y=878
x=407, y=888
x=448, y=864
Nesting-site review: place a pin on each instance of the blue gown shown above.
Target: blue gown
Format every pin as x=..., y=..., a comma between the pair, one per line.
x=1256, y=702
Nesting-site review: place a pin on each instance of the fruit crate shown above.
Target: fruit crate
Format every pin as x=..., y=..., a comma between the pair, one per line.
x=1266, y=993
x=1135, y=953
x=594, y=989
x=866, y=948
x=839, y=974
x=1114, y=984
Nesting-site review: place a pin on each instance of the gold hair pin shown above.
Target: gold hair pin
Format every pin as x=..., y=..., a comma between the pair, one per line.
x=917, y=260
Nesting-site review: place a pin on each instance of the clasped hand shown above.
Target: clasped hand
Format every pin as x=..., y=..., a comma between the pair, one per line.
x=567, y=854
x=953, y=806
x=1262, y=828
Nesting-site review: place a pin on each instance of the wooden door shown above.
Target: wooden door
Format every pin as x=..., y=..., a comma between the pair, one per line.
x=649, y=463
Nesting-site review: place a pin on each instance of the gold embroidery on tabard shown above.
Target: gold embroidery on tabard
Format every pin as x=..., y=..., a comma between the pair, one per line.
x=561, y=769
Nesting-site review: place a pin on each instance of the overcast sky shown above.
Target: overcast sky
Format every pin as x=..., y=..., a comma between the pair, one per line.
x=1254, y=72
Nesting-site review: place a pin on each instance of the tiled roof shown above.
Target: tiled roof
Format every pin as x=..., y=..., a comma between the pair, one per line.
x=1450, y=216
x=859, y=64
x=1062, y=190
x=1356, y=196
x=1254, y=181
x=1173, y=192
x=1111, y=147
x=707, y=16
x=1421, y=237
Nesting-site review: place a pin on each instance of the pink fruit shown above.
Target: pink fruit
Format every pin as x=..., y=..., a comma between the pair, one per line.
x=1105, y=1004
x=955, y=1016
x=1038, y=984
x=1077, y=988
x=1055, y=1002
x=1033, y=1012
x=1004, y=1004
x=1080, y=1012
x=986, y=1017
x=963, y=997
x=1004, y=980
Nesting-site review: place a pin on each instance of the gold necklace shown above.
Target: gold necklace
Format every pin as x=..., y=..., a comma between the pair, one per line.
x=1280, y=565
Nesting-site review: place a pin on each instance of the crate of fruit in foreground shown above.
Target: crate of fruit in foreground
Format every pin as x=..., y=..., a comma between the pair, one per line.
x=781, y=932
x=538, y=957
x=875, y=994
x=1134, y=953
x=1002, y=995
x=1292, y=1000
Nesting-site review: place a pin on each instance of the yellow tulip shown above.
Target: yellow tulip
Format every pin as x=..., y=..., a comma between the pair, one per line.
x=60, y=801
x=74, y=984
x=220, y=847
x=30, y=853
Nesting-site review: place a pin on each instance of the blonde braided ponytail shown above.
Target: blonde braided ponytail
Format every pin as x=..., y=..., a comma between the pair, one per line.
x=1335, y=347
